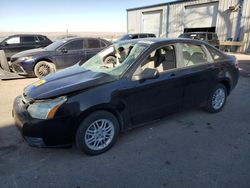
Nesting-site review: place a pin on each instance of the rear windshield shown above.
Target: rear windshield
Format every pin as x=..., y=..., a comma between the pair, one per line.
x=216, y=55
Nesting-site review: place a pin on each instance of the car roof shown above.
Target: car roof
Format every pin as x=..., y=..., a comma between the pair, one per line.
x=25, y=35
x=200, y=32
x=140, y=34
x=76, y=38
x=155, y=41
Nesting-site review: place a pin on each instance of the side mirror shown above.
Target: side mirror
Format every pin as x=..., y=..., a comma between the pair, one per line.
x=147, y=74
x=64, y=50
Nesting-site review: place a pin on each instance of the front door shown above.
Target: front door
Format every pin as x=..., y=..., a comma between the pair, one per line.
x=154, y=98
x=11, y=46
x=71, y=53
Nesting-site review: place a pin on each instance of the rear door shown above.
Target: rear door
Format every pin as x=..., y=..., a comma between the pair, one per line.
x=71, y=53
x=198, y=73
x=29, y=42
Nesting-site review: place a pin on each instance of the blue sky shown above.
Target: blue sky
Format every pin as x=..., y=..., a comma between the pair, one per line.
x=60, y=15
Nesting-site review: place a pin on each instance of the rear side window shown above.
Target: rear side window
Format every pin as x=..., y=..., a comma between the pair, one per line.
x=135, y=37
x=151, y=35
x=209, y=36
x=215, y=37
x=93, y=43
x=27, y=39
x=40, y=38
x=202, y=36
x=13, y=40
x=215, y=54
x=103, y=44
x=192, y=55
x=74, y=45
x=143, y=36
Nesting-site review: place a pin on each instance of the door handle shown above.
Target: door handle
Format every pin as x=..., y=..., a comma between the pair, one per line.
x=172, y=75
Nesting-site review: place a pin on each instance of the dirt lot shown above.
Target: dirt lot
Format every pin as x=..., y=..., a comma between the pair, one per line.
x=188, y=149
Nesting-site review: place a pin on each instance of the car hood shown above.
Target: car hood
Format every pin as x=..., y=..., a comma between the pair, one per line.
x=69, y=80
x=30, y=52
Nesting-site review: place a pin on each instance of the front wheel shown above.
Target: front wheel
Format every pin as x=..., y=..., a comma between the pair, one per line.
x=43, y=68
x=97, y=133
x=217, y=99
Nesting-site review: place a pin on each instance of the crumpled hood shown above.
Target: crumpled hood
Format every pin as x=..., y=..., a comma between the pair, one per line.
x=72, y=79
x=30, y=52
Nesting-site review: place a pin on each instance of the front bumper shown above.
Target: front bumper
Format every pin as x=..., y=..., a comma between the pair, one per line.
x=55, y=132
x=18, y=69
x=24, y=68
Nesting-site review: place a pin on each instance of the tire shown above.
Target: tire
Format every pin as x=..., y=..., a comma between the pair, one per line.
x=92, y=129
x=43, y=68
x=216, y=105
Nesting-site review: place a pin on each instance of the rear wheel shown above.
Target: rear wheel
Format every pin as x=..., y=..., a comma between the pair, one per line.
x=43, y=68
x=217, y=99
x=97, y=133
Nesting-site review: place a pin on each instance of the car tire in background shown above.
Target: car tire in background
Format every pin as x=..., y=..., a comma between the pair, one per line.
x=43, y=68
x=217, y=99
x=97, y=133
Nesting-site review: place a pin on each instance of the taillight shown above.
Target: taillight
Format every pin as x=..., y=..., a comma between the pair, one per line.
x=237, y=64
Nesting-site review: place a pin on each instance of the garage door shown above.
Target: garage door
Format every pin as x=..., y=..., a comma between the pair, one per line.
x=203, y=15
x=151, y=22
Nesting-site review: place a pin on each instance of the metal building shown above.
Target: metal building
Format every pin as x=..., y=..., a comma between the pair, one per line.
x=230, y=19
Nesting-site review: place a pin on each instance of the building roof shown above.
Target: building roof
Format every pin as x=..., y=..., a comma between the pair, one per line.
x=158, y=5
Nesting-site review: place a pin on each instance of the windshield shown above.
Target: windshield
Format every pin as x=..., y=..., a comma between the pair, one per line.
x=116, y=59
x=197, y=36
x=124, y=37
x=55, y=45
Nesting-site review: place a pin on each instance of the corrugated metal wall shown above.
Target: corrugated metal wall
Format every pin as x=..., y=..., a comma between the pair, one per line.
x=227, y=26
x=245, y=25
x=135, y=19
x=226, y=20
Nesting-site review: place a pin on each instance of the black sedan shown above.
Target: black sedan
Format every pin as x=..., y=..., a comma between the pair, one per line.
x=92, y=103
x=59, y=55
x=17, y=43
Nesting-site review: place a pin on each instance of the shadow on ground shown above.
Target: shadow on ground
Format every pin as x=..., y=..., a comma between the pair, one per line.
x=245, y=68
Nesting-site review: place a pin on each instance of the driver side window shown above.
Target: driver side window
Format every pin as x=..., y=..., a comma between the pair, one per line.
x=74, y=45
x=13, y=40
x=162, y=59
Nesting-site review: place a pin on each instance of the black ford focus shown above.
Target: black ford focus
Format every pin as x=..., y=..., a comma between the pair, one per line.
x=125, y=85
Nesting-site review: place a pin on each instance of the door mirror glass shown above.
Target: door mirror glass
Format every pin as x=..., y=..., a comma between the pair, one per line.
x=146, y=74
